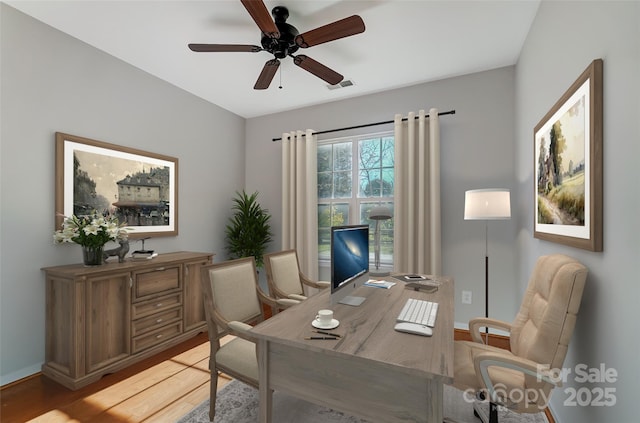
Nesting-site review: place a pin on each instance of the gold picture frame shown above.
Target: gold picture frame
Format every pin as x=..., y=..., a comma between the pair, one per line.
x=139, y=187
x=568, y=166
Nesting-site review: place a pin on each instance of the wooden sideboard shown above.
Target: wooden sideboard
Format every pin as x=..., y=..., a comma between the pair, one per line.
x=101, y=319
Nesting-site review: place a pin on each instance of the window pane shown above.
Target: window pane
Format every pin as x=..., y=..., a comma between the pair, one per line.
x=342, y=185
x=340, y=214
x=324, y=243
x=329, y=215
x=325, y=162
x=324, y=215
x=342, y=156
x=388, y=146
x=369, y=154
x=370, y=183
x=387, y=182
x=336, y=214
x=386, y=244
x=325, y=185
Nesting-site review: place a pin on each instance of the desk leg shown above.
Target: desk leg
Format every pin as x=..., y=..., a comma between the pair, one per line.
x=436, y=402
x=265, y=393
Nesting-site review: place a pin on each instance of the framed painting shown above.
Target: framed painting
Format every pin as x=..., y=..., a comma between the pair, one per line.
x=568, y=166
x=138, y=187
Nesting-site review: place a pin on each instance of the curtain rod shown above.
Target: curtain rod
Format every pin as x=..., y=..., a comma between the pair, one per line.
x=450, y=112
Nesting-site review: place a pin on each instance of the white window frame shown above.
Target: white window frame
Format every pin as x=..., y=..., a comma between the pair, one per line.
x=355, y=202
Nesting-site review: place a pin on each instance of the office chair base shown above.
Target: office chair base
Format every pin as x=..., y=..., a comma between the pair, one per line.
x=480, y=411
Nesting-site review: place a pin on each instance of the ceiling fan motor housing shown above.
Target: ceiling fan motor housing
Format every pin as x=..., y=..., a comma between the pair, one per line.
x=285, y=45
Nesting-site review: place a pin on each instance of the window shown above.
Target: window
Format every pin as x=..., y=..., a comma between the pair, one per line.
x=354, y=175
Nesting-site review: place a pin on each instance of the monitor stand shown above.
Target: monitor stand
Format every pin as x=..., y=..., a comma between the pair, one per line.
x=352, y=301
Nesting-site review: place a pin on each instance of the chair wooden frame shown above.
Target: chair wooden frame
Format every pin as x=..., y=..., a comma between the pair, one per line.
x=277, y=291
x=219, y=325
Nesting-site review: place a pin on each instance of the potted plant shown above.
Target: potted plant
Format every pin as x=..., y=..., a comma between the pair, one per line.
x=248, y=231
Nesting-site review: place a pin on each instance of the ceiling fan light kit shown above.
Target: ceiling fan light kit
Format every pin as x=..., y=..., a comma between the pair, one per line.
x=282, y=39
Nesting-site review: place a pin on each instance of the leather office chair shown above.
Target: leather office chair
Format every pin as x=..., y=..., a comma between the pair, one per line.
x=284, y=277
x=232, y=300
x=539, y=339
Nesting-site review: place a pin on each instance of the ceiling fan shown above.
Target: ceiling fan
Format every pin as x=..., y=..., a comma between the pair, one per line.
x=282, y=39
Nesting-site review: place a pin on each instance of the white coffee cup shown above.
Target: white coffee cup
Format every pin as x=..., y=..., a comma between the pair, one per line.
x=324, y=317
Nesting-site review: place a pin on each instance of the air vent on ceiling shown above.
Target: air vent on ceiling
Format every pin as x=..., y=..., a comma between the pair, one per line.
x=342, y=84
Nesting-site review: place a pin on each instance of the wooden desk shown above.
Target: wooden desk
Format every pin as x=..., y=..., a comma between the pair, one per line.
x=373, y=371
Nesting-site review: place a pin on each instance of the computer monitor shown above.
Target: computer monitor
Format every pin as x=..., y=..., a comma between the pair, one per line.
x=349, y=262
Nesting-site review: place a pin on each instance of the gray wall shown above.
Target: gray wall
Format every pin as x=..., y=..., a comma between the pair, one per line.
x=564, y=39
x=477, y=151
x=52, y=82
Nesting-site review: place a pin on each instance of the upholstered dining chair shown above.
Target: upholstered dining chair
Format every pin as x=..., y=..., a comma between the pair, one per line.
x=521, y=378
x=233, y=301
x=284, y=278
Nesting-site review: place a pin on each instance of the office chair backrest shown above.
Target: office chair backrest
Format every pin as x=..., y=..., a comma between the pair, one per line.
x=233, y=289
x=283, y=272
x=544, y=324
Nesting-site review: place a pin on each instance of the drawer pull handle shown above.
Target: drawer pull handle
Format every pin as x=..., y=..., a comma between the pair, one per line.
x=159, y=269
x=159, y=305
x=159, y=321
x=158, y=336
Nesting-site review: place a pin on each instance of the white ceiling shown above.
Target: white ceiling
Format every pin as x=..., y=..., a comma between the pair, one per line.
x=405, y=42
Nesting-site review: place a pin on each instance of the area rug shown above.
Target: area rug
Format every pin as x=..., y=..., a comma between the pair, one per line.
x=238, y=403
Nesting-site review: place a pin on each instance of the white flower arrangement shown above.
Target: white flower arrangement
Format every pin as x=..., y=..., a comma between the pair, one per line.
x=90, y=230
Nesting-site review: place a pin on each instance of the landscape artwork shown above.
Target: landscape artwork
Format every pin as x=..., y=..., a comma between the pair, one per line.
x=560, y=173
x=139, y=188
x=568, y=166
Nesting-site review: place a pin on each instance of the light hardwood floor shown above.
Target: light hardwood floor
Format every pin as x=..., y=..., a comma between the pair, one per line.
x=161, y=389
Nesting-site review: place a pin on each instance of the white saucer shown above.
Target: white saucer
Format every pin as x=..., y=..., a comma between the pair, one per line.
x=316, y=324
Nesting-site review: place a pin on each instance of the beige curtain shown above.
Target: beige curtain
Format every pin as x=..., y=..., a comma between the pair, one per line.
x=416, y=237
x=300, y=198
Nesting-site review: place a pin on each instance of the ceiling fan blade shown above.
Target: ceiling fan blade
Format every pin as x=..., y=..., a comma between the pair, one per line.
x=205, y=48
x=333, y=31
x=268, y=72
x=262, y=17
x=318, y=69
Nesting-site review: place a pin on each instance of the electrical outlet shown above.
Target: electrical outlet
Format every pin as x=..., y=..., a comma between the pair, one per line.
x=466, y=297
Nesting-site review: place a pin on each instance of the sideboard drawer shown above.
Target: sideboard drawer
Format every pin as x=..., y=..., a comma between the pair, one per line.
x=156, y=281
x=155, y=321
x=155, y=305
x=156, y=337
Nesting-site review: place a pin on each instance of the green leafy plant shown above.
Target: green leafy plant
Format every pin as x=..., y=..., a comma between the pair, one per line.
x=248, y=232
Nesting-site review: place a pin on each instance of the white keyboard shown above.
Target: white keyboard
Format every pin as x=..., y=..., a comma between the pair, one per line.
x=419, y=311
